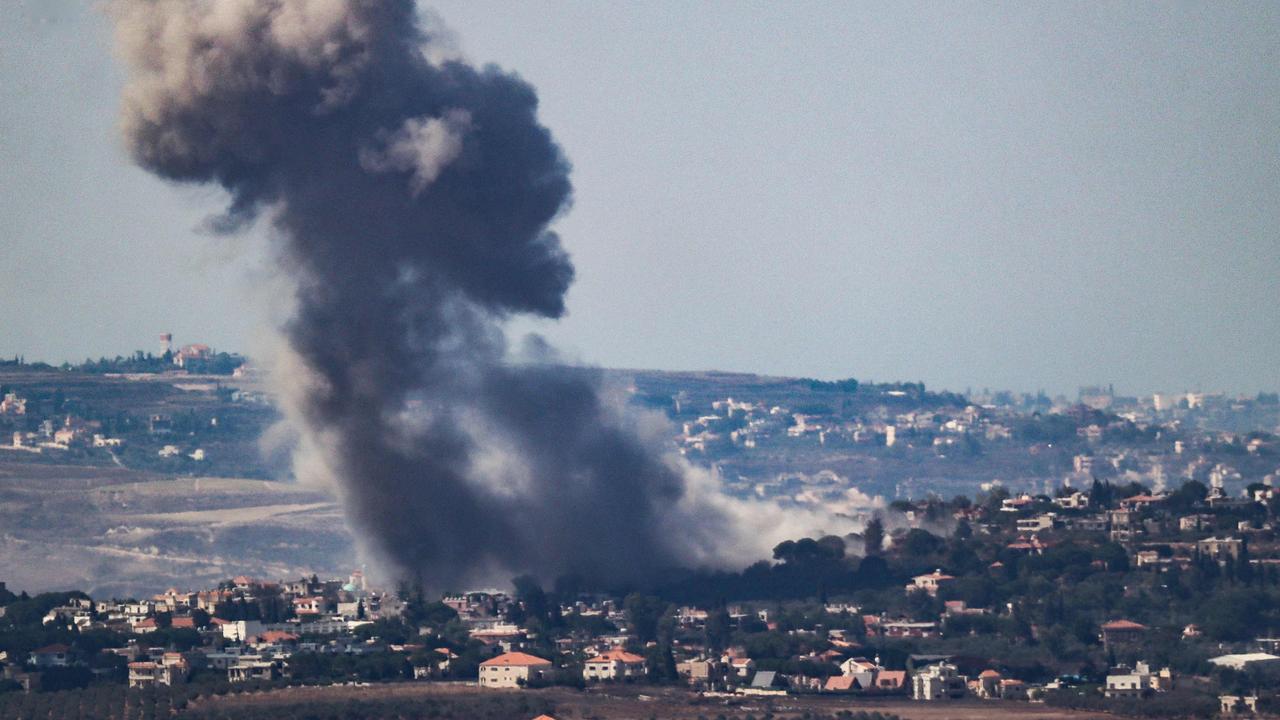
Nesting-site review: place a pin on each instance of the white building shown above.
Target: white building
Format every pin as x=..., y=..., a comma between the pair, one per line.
x=862, y=670
x=1238, y=704
x=931, y=583
x=938, y=682
x=1074, y=501
x=616, y=664
x=13, y=405
x=1043, y=521
x=1243, y=661
x=1123, y=682
x=57, y=655
x=253, y=667
x=512, y=670
x=241, y=630
x=171, y=669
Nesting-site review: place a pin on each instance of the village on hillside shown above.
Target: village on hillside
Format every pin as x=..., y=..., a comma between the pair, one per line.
x=1112, y=598
x=1098, y=554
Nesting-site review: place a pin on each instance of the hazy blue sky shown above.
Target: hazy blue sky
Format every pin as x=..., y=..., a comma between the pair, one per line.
x=1007, y=195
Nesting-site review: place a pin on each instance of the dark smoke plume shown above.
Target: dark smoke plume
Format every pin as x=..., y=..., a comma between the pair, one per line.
x=411, y=196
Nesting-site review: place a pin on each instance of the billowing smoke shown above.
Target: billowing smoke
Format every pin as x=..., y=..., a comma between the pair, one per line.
x=411, y=196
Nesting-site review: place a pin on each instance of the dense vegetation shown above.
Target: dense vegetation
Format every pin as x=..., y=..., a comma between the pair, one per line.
x=1045, y=608
x=1036, y=615
x=460, y=707
x=113, y=702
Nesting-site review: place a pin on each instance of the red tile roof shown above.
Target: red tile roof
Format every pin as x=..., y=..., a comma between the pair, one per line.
x=1139, y=499
x=514, y=659
x=1123, y=625
x=53, y=649
x=616, y=654
x=896, y=677
x=840, y=682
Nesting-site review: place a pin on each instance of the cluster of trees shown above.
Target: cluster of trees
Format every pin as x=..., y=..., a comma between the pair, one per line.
x=652, y=620
x=1053, y=427
x=102, y=701
x=429, y=624
x=99, y=702
x=1177, y=703
x=804, y=568
x=369, y=667
x=20, y=361
x=138, y=362
x=1048, y=606
x=144, y=362
x=219, y=364
x=342, y=706
x=107, y=701
x=846, y=397
x=806, y=715
x=22, y=630
x=848, y=385
x=1045, y=608
x=268, y=607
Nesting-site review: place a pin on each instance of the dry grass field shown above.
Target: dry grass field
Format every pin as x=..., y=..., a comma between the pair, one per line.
x=624, y=703
x=112, y=531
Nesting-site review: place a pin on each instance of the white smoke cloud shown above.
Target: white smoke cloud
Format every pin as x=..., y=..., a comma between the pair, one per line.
x=423, y=146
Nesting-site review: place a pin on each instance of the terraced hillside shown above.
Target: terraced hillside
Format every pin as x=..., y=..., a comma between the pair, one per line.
x=113, y=531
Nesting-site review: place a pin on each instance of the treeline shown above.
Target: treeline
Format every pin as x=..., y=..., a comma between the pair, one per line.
x=20, y=362
x=22, y=629
x=1173, y=704
x=1043, y=608
x=248, y=701
x=806, y=568
x=497, y=706
x=369, y=667
x=116, y=702
x=139, y=362
x=801, y=569
x=144, y=362
x=894, y=390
